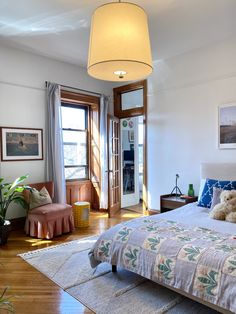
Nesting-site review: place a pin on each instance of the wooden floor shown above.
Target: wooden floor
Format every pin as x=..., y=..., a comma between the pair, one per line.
x=34, y=293
x=136, y=208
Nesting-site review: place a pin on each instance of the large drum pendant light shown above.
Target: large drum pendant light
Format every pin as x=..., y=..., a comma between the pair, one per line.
x=119, y=47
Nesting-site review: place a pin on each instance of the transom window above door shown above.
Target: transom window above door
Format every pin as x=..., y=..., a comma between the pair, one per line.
x=132, y=99
x=75, y=141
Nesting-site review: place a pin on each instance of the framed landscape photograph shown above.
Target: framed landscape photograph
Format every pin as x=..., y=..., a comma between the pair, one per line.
x=227, y=126
x=21, y=144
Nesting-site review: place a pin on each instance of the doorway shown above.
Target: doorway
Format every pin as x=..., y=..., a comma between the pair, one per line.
x=130, y=104
x=131, y=135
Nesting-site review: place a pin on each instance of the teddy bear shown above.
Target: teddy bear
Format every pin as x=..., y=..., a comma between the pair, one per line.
x=226, y=209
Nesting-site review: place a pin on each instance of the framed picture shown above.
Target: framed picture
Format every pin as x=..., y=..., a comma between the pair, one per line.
x=131, y=136
x=227, y=126
x=21, y=144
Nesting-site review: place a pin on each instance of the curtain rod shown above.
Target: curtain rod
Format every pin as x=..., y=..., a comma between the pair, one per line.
x=79, y=89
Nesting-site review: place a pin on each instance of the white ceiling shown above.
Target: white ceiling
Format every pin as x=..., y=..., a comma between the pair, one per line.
x=60, y=28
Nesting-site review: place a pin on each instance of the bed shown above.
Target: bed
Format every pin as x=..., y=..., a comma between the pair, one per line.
x=184, y=249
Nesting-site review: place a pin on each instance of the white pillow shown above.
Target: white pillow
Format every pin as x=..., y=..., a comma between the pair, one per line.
x=39, y=198
x=202, y=184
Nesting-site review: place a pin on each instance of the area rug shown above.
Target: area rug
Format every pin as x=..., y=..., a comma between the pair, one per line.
x=101, y=290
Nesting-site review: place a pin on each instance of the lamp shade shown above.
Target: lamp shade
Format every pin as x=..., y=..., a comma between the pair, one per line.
x=119, y=47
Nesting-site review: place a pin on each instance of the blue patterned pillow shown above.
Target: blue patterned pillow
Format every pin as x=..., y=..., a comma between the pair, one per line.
x=207, y=193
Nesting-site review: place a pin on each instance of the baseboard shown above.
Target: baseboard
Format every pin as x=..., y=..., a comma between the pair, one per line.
x=17, y=223
x=153, y=211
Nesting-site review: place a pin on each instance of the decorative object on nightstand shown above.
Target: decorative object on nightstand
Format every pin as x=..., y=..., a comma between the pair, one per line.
x=170, y=201
x=190, y=190
x=176, y=190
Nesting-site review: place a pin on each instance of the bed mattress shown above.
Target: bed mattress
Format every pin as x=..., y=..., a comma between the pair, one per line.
x=183, y=249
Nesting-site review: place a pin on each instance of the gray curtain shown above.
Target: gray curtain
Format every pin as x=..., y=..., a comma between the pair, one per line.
x=104, y=101
x=54, y=143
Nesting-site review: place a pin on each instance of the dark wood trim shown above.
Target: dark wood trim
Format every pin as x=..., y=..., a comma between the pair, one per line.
x=118, y=112
x=142, y=111
x=153, y=212
x=17, y=223
x=113, y=208
x=86, y=108
x=93, y=104
x=75, y=182
x=78, y=98
x=172, y=201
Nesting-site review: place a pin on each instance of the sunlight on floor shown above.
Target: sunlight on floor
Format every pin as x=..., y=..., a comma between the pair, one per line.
x=37, y=242
x=130, y=215
x=99, y=215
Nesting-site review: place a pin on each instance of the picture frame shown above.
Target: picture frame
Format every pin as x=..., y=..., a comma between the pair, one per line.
x=131, y=136
x=19, y=144
x=227, y=126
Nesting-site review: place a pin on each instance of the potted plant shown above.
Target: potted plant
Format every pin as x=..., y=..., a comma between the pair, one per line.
x=9, y=193
x=5, y=303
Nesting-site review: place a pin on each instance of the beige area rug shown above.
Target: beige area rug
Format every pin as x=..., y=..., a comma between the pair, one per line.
x=101, y=290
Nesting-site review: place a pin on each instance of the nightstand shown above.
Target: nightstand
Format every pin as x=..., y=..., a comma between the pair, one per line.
x=170, y=201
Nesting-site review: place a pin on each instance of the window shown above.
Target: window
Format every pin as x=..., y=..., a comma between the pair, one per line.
x=75, y=141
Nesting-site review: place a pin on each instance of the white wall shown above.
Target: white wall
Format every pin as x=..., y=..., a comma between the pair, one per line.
x=22, y=100
x=183, y=98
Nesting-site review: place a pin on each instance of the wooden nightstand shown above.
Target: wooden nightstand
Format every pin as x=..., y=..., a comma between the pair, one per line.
x=170, y=201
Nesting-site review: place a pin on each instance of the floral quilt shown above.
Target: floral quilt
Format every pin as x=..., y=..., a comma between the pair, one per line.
x=200, y=261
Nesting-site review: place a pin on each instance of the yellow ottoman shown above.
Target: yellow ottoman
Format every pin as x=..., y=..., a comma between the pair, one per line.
x=81, y=214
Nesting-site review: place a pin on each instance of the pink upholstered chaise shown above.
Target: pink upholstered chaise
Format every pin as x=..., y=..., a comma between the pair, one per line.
x=48, y=221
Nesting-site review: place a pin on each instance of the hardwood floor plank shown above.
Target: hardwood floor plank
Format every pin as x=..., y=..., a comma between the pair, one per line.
x=32, y=292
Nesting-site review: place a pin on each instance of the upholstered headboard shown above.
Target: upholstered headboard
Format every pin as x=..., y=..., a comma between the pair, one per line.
x=220, y=171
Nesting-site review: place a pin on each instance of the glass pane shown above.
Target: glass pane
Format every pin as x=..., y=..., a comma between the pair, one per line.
x=128, y=154
x=140, y=158
x=140, y=130
x=75, y=147
x=73, y=118
x=133, y=99
x=76, y=173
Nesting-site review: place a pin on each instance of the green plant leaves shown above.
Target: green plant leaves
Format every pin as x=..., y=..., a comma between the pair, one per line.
x=11, y=193
x=5, y=303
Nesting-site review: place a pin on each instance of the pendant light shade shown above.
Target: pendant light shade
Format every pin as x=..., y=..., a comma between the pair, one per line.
x=119, y=47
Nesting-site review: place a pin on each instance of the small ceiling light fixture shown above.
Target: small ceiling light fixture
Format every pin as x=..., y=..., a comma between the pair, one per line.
x=119, y=48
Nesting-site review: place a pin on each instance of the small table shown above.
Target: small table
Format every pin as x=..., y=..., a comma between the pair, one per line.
x=171, y=201
x=81, y=214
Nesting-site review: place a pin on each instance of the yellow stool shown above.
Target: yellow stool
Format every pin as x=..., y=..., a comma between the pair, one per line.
x=81, y=214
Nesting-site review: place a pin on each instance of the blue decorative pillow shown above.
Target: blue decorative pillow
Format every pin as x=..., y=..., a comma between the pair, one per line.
x=207, y=193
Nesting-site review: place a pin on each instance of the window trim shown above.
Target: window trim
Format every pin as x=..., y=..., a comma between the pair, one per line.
x=75, y=188
x=86, y=131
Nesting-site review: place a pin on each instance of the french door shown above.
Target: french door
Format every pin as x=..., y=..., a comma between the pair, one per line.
x=113, y=165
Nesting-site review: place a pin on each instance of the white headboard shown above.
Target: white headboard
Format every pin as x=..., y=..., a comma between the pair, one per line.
x=220, y=171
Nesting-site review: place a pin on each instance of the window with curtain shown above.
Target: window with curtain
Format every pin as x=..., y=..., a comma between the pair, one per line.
x=75, y=141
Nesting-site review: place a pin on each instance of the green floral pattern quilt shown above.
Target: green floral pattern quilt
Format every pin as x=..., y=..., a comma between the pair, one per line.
x=199, y=261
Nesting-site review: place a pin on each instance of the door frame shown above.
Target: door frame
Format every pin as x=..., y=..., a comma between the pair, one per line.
x=113, y=207
x=140, y=111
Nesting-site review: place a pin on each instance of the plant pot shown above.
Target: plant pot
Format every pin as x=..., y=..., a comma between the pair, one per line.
x=5, y=232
